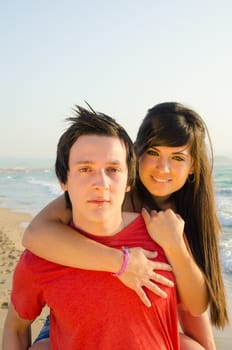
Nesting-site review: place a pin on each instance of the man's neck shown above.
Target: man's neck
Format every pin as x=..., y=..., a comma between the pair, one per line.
x=105, y=228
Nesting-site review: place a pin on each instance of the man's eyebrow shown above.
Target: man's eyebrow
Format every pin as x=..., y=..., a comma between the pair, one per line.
x=84, y=162
x=112, y=162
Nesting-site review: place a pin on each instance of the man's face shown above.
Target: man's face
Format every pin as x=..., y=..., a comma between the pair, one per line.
x=97, y=182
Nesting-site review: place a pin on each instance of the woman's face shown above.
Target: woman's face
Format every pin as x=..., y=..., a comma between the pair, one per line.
x=164, y=170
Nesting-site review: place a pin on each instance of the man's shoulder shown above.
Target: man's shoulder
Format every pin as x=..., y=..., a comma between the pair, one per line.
x=30, y=259
x=129, y=217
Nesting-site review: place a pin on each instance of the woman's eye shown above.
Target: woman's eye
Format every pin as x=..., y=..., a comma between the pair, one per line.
x=179, y=159
x=152, y=152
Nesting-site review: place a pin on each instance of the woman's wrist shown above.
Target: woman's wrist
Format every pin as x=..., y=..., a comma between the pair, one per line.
x=125, y=262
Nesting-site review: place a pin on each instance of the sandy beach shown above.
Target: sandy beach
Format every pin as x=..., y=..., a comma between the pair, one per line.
x=11, y=229
x=12, y=225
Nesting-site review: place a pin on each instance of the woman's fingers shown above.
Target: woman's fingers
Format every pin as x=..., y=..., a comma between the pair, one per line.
x=143, y=296
x=158, y=265
x=162, y=280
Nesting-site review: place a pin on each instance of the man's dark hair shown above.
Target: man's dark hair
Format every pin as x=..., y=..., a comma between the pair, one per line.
x=86, y=122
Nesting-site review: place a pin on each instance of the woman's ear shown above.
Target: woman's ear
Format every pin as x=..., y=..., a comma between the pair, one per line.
x=191, y=170
x=128, y=188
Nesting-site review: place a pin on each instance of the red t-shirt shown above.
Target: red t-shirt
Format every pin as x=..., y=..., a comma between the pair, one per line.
x=94, y=310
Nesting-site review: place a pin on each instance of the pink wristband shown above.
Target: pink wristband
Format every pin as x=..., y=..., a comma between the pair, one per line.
x=125, y=262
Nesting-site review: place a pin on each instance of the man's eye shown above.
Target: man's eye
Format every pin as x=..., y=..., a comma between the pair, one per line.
x=84, y=170
x=113, y=170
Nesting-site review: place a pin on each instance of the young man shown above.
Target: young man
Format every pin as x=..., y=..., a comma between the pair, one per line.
x=93, y=310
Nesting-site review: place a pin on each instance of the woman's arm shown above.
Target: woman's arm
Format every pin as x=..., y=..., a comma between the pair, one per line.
x=167, y=229
x=198, y=328
x=49, y=236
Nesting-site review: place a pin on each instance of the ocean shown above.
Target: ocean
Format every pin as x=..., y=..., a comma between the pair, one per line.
x=27, y=185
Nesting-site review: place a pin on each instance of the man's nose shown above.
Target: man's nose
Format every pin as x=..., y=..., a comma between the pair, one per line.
x=101, y=180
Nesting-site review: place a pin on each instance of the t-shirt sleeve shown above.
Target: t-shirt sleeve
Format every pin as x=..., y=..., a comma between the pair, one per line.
x=27, y=295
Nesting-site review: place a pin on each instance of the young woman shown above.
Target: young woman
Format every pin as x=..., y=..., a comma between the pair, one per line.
x=174, y=176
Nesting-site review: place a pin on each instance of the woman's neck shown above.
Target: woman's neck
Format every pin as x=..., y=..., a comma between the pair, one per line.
x=134, y=203
x=165, y=202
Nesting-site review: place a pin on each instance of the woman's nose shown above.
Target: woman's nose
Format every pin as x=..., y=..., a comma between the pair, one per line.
x=163, y=164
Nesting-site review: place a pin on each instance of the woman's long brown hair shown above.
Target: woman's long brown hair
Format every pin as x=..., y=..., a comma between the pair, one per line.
x=172, y=124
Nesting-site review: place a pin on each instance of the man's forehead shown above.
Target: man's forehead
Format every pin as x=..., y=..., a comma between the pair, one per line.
x=89, y=148
x=95, y=138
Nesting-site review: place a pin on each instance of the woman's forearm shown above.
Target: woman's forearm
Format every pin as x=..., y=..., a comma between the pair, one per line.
x=62, y=244
x=199, y=328
x=50, y=237
x=190, y=281
x=166, y=228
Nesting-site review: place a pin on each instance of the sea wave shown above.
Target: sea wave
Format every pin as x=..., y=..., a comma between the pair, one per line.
x=24, y=170
x=225, y=218
x=224, y=191
x=52, y=187
x=226, y=255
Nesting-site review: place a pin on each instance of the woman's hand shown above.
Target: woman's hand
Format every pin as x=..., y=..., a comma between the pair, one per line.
x=165, y=227
x=140, y=273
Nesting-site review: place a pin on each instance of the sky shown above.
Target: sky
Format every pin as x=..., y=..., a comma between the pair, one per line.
x=122, y=57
